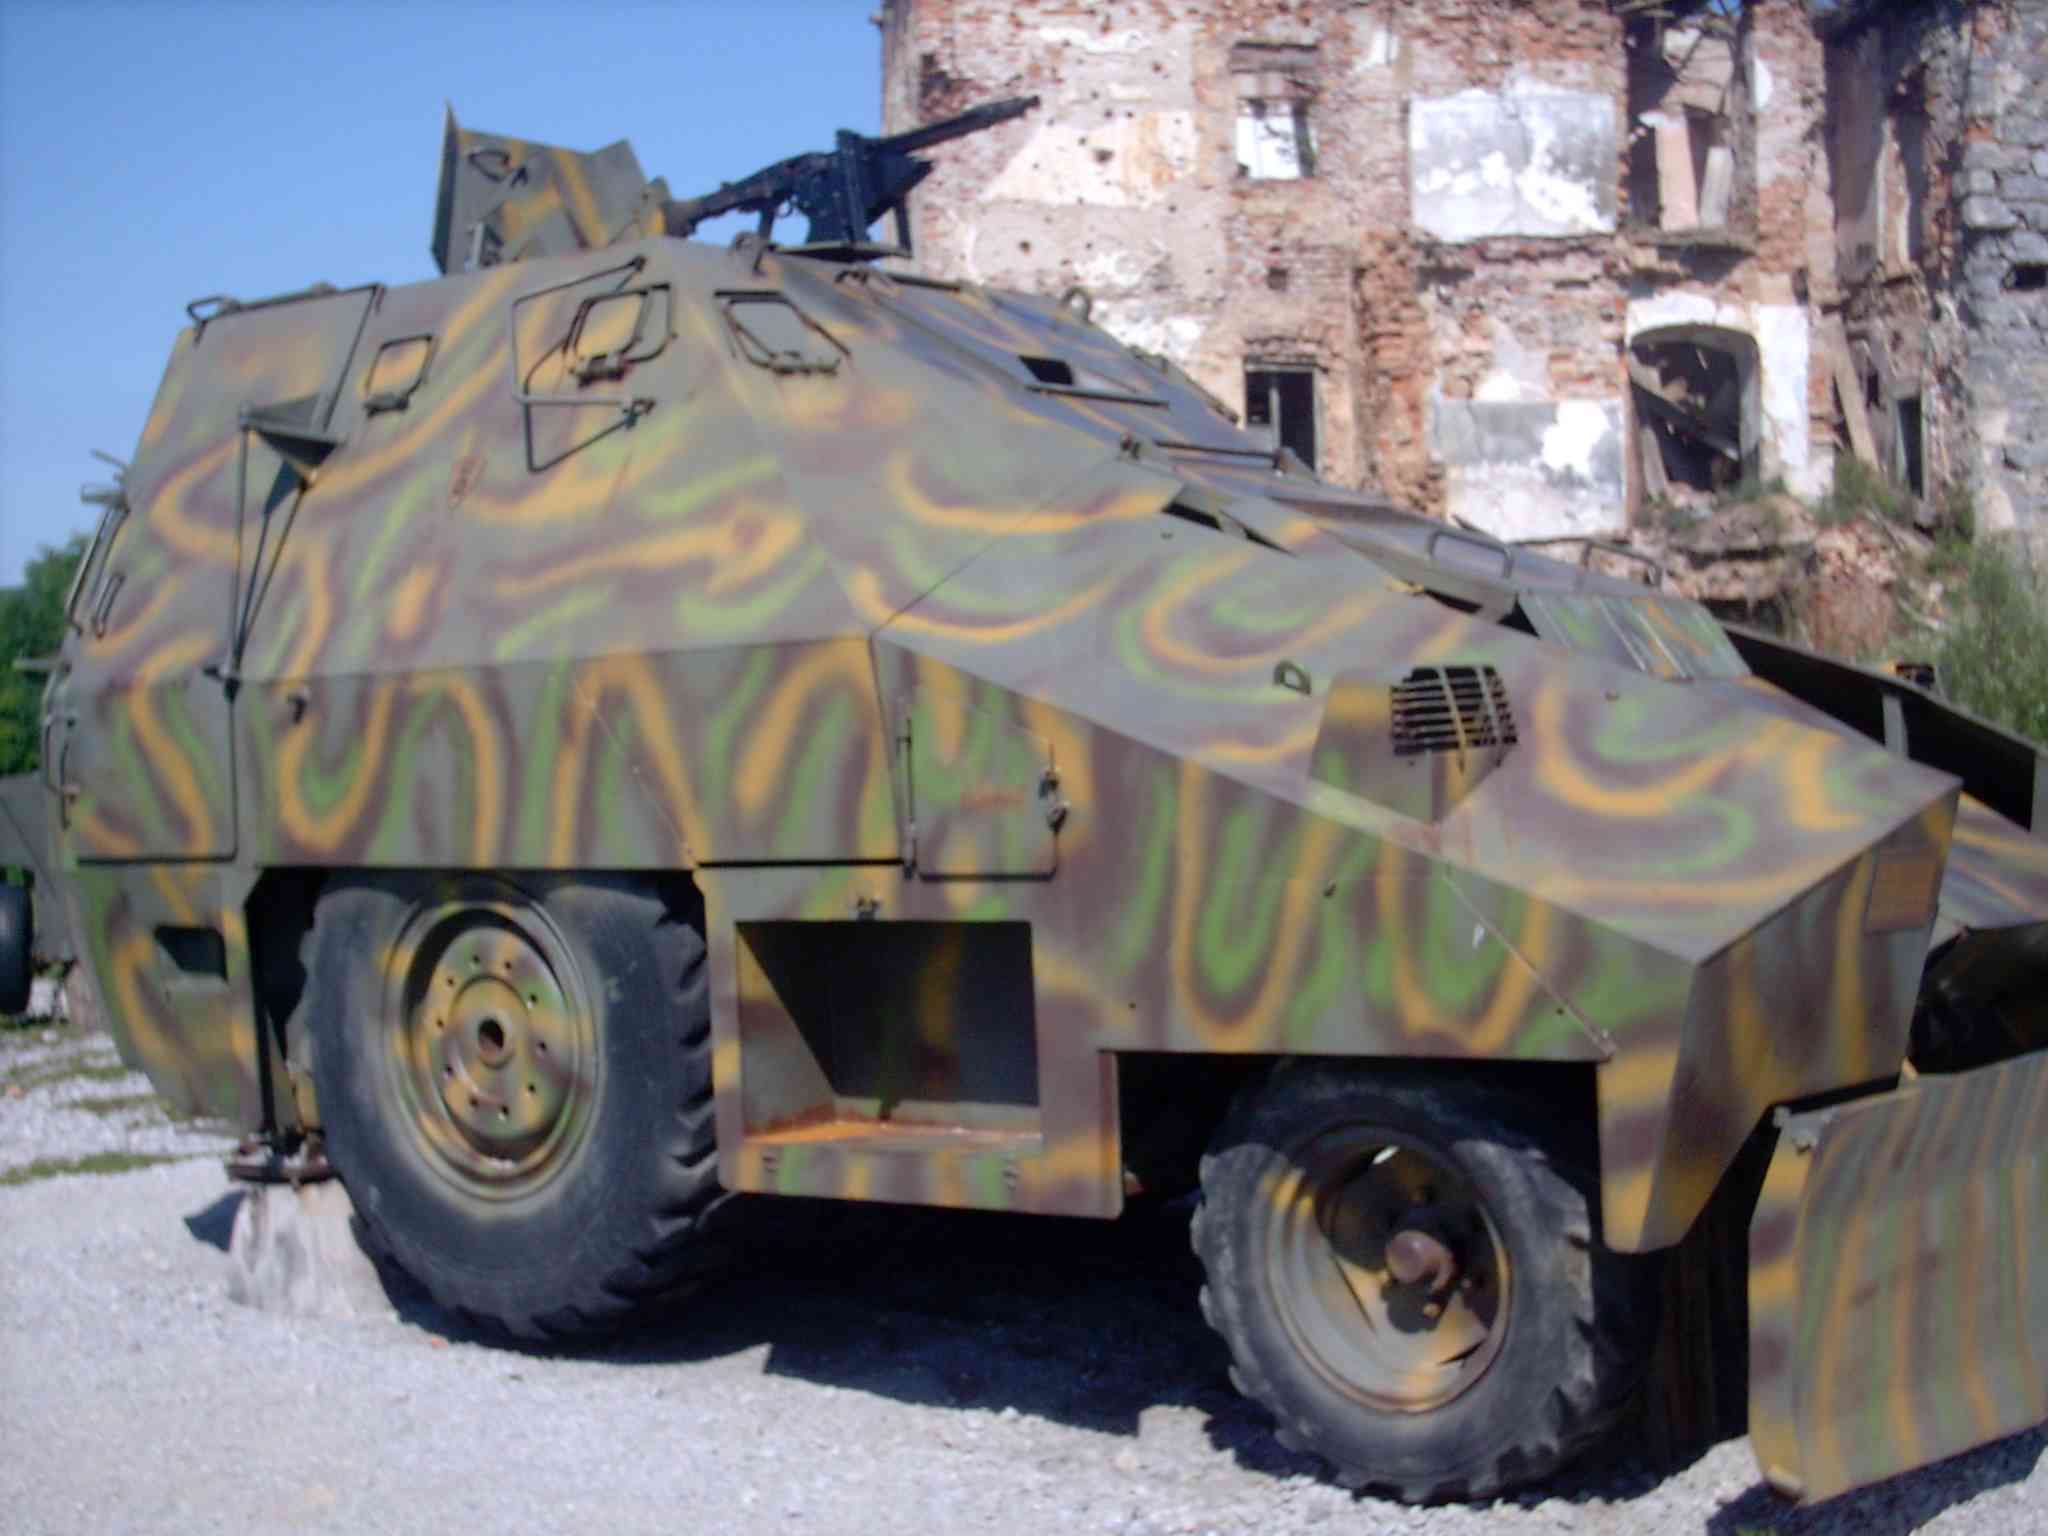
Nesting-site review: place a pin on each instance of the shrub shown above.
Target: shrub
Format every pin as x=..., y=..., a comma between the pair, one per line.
x=31, y=624
x=1860, y=491
x=1994, y=661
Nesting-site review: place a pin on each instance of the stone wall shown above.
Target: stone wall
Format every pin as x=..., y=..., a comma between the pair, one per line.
x=1898, y=88
x=1439, y=209
x=1939, y=141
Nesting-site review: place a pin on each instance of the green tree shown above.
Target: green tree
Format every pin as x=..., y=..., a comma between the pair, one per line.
x=31, y=624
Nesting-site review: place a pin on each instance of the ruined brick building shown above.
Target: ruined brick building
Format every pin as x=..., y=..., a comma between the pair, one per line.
x=1543, y=265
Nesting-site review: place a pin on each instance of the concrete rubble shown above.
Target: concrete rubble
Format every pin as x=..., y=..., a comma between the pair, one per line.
x=295, y=1250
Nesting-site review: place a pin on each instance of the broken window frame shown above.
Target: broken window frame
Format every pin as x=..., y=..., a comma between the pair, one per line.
x=1656, y=117
x=1666, y=421
x=1285, y=426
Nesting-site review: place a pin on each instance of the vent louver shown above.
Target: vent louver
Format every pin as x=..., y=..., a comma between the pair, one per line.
x=1451, y=709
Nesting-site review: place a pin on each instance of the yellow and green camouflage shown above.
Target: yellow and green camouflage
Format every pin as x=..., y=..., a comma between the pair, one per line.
x=950, y=645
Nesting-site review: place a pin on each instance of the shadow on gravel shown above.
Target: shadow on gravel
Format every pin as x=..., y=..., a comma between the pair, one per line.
x=216, y=1224
x=1084, y=1323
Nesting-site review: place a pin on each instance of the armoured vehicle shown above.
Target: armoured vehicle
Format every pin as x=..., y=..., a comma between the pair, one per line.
x=630, y=724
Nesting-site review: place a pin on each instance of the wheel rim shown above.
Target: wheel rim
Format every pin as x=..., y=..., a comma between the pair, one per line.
x=1391, y=1277
x=494, y=1046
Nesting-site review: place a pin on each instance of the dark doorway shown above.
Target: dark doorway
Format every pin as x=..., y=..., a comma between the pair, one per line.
x=1283, y=401
x=1910, y=463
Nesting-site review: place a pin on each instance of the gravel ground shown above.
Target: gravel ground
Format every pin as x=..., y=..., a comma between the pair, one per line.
x=68, y=1105
x=899, y=1371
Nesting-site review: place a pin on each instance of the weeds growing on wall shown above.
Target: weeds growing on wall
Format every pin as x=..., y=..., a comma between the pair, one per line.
x=1860, y=491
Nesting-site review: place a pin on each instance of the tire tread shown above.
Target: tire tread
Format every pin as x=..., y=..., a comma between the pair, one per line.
x=1602, y=1371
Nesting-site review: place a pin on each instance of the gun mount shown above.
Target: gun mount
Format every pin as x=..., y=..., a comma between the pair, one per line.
x=504, y=199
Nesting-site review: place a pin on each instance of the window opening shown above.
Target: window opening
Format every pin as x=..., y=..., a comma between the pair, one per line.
x=194, y=951
x=1912, y=468
x=1276, y=85
x=1281, y=404
x=1274, y=140
x=1683, y=85
x=2028, y=277
x=1057, y=375
x=1049, y=370
x=1698, y=411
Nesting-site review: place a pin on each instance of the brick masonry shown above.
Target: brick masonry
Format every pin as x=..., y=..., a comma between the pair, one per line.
x=1463, y=269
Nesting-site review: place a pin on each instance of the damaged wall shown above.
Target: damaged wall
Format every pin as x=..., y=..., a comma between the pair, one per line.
x=1434, y=210
x=1525, y=162
x=1940, y=151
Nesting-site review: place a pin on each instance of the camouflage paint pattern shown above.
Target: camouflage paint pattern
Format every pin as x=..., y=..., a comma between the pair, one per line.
x=873, y=600
x=1899, y=1279
x=430, y=675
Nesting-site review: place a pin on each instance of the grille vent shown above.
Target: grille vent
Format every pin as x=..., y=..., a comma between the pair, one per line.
x=1451, y=709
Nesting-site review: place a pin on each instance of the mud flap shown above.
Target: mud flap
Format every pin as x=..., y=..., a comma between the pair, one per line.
x=1898, y=1279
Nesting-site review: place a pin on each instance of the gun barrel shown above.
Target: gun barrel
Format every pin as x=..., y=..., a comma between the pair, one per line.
x=973, y=120
x=844, y=190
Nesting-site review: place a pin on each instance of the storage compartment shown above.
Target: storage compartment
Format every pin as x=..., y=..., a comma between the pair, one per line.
x=879, y=1031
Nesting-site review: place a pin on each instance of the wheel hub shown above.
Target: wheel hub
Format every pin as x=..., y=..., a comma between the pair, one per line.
x=1416, y=1257
x=1395, y=1281
x=497, y=1055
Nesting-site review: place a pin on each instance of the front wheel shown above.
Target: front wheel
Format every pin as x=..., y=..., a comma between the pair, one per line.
x=514, y=1082
x=1410, y=1283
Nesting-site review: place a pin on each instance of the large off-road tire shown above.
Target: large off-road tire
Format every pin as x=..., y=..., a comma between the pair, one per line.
x=17, y=940
x=1411, y=1284
x=514, y=1082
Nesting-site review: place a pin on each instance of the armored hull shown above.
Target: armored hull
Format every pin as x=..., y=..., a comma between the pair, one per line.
x=990, y=740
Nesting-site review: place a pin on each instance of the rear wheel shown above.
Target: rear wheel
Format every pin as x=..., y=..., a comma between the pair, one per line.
x=515, y=1086
x=17, y=969
x=1410, y=1283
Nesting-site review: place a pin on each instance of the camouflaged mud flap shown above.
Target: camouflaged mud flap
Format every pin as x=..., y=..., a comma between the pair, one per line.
x=1898, y=1281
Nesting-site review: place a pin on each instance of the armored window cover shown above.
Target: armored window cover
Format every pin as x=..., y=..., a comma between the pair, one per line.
x=396, y=372
x=606, y=330
x=615, y=330
x=773, y=333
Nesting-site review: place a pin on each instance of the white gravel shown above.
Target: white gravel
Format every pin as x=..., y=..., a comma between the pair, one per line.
x=66, y=1098
x=897, y=1371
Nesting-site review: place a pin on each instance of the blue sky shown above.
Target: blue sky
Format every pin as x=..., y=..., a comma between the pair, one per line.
x=153, y=151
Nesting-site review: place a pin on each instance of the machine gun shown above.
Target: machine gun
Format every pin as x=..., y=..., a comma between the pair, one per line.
x=844, y=190
x=504, y=199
